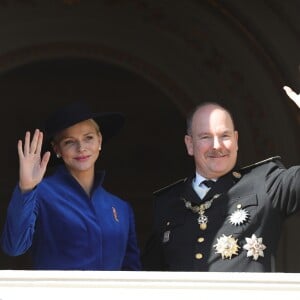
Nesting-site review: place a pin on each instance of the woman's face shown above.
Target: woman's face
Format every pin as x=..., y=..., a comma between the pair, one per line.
x=79, y=146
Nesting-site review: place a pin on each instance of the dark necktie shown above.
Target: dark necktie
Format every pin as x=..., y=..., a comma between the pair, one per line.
x=208, y=183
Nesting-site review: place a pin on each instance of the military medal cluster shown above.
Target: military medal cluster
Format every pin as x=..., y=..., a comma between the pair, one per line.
x=228, y=246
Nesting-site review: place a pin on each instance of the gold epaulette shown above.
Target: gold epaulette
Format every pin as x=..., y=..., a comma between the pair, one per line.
x=155, y=193
x=261, y=162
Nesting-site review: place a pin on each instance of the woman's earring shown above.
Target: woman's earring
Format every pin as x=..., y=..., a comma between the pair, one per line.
x=58, y=155
x=99, y=148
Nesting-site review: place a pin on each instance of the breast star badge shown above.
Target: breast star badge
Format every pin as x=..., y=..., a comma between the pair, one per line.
x=239, y=216
x=254, y=247
x=227, y=246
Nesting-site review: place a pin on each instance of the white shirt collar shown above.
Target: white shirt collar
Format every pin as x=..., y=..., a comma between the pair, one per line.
x=201, y=190
x=199, y=178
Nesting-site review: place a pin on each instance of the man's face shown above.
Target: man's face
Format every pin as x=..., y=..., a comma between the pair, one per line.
x=212, y=141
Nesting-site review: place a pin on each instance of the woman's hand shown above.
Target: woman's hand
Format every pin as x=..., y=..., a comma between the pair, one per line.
x=295, y=97
x=32, y=167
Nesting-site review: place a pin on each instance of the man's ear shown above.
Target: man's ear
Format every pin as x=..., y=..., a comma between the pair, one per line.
x=237, y=139
x=189, y=144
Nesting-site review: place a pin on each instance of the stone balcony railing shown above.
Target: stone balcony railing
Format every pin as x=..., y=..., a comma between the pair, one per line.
x=90, y=285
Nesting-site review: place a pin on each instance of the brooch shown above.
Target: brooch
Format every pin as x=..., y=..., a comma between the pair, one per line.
x=115, y=214
x=227, y=246
x=239, y=216
x=254, y=247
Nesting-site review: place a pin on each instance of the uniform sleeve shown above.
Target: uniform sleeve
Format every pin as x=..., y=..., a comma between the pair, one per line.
x=284, y=189
x=18, y=229
x=131, y=260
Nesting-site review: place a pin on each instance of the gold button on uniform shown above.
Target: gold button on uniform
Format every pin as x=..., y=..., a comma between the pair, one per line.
x=236, y=174
x=198, y=255
x=200, y=239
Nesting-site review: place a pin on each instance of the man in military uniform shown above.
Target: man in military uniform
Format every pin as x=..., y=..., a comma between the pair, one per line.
x=224, y=218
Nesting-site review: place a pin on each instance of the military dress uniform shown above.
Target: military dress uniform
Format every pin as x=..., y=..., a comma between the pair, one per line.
x=235, y=227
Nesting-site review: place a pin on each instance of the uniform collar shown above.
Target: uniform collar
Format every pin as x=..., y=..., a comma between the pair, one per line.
x=223, y=184
x=199, y=178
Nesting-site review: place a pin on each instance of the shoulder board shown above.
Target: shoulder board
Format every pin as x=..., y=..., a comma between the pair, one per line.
x=169, y=186
x=261, y=162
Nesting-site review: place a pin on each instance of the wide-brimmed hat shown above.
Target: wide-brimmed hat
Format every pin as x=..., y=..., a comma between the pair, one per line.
x=109, y=122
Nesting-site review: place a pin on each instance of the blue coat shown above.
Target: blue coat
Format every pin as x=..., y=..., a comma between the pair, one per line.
x=67, y=230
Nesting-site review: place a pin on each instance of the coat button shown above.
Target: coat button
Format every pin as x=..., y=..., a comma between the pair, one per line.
x=198, y=255
x=200, y=239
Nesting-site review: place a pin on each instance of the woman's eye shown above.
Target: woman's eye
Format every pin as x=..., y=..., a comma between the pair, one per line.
x=68, y=142
x=89, y=137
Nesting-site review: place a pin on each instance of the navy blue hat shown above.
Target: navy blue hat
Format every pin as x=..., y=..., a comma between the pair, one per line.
x=109, y=122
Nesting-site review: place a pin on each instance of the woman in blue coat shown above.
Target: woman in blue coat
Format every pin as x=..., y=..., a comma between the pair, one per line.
x=68, y=220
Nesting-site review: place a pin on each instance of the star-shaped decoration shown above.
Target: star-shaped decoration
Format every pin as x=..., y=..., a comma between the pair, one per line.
x=254, y=247
x=238, y=217
x=227, y=246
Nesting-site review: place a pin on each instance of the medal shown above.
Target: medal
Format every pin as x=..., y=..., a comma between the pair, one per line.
x=200, y=209
x=202, y=221
x=166, y=236
x=254, y=247
x=239, y=216
x=226, y=246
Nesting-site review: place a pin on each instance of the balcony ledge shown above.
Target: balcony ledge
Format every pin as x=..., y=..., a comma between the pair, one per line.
x=146, y=285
